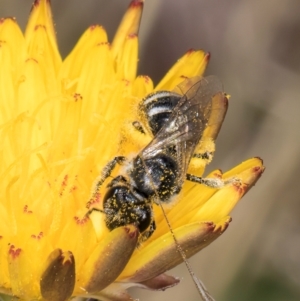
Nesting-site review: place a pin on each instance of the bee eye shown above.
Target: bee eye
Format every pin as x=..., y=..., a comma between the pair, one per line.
x=138, y=127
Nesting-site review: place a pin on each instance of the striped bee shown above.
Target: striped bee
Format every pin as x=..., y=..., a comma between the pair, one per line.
x=156, y=174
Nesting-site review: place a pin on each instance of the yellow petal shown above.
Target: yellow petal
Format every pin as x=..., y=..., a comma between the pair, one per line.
x=193, y=63
x=142, y=86
x=248, y=171
x=32, y=89
x=40, y=14
x=225, y=199
x=129, y=26
x=12, y=52
x=12, y=38
x=207, y=142
x=126, y=61
x=71, y=69
x=201, y=203
x=85, y=241
x=96, y=71
x=162, y=254
x=23, y=284
x=108, y=259
x=4, y=242
x=41, y=43
x=132, y=140
x=218, y=113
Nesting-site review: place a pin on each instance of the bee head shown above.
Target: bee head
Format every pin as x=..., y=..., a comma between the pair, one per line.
x=124, y=206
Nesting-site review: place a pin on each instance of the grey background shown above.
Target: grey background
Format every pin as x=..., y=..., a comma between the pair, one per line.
x=255, y=48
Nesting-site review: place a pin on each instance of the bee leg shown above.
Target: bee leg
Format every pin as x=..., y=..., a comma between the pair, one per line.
x=138, y=126
x=210, y=182
x=204, y=156
x=213, y=183
x=108, y=168
x=106, y=171
x=93, y=209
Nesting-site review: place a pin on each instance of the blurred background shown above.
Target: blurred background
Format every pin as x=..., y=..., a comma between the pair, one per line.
x=255, y=47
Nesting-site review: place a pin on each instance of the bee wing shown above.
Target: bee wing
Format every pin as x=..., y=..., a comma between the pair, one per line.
x=187, y=121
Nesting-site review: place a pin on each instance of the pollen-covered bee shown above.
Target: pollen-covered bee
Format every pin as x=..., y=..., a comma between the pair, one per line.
x=157, y=173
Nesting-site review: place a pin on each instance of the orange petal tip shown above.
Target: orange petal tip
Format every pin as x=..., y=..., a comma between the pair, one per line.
x=132, y=36
x=38, y=2
x=207, y=57
x=222, y=225
x=248, y=171
x=191, y=50
x=3, y=20
x=136, y=3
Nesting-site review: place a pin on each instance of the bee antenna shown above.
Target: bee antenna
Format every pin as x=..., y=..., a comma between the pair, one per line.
x=198, y=283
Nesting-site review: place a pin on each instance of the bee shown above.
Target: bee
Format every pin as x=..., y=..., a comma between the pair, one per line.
x=157, y=173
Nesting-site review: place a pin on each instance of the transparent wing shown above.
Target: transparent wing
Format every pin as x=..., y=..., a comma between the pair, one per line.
x=186, y=124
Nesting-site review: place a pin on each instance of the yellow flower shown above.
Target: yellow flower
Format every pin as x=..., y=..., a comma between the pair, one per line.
x=60, y=123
